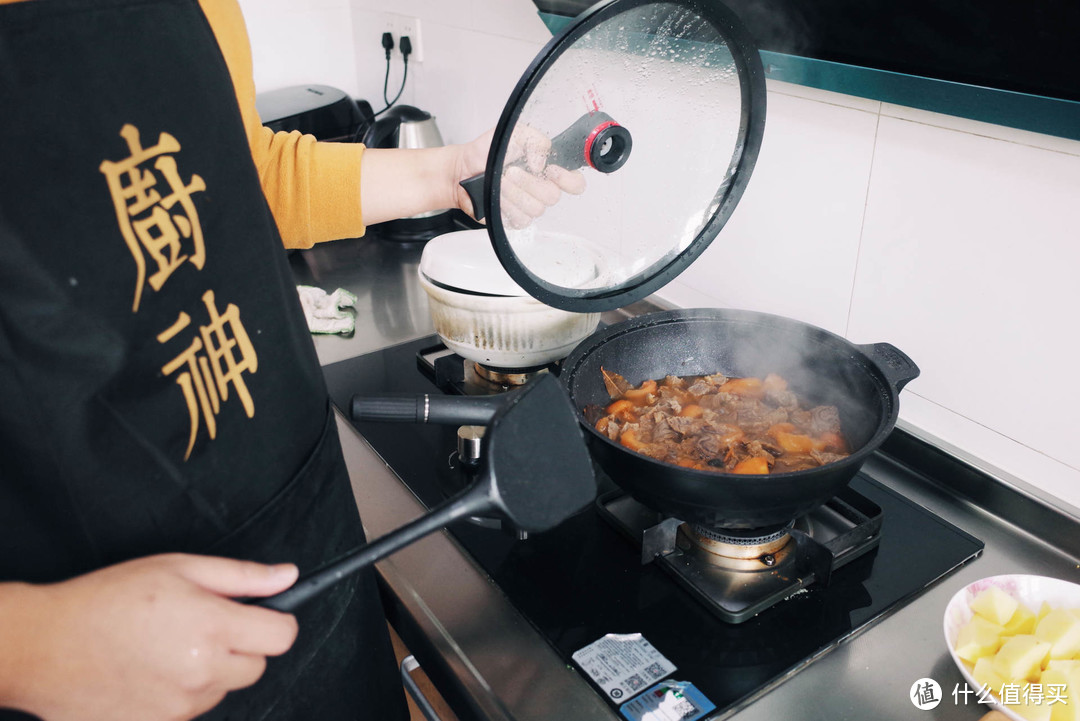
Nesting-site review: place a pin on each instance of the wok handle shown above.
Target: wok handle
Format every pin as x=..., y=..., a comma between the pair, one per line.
x=899, y=370
x=473, y=501
x=459, y=410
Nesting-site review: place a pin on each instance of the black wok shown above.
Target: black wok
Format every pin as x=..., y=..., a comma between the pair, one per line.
x=863, y=381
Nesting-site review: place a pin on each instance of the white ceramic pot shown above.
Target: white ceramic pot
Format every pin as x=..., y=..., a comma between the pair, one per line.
x=482, y=315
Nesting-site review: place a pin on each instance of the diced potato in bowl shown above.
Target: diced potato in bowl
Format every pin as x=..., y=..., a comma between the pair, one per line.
x=1018, y=636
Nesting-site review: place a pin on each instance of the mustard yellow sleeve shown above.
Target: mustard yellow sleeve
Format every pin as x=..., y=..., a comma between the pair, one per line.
x=313, y=188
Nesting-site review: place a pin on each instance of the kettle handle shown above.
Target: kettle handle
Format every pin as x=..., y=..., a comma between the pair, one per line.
x=380, y=131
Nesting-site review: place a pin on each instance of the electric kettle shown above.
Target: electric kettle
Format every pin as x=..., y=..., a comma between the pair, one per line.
x=404, y=126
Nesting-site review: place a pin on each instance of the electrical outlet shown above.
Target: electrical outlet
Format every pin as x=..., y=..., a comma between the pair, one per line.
x=400, y=26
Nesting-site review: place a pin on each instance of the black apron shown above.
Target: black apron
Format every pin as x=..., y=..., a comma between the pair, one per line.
x=159, y=390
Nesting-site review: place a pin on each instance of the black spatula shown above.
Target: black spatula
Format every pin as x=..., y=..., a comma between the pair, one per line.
x=535, y=473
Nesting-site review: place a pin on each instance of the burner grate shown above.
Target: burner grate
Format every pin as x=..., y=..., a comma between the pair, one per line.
x=739, y=574
x=455, y=375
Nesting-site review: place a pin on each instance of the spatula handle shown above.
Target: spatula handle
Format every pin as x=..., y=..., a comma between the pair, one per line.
x=473, y=501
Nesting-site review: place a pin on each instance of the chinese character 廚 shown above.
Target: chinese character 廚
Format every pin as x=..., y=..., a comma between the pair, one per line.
x=146, y=223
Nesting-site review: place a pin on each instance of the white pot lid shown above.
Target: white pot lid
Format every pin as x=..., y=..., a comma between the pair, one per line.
x=466, y=261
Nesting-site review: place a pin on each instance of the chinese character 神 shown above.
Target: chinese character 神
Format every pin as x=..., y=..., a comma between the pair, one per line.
x=148, y=228
x=216, y=358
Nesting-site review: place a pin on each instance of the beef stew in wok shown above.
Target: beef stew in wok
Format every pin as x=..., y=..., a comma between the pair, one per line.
x=716, y=423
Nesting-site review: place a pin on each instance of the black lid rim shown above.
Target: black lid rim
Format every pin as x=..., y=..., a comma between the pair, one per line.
x=751, y=131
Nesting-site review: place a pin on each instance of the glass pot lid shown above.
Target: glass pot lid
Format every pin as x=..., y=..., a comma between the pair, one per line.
x=658, y=109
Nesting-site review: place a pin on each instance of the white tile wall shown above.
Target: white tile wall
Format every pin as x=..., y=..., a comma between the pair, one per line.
x=969, y=261
x=791, y=244
x=295, y=43
x=957, y=241
x=474, y=53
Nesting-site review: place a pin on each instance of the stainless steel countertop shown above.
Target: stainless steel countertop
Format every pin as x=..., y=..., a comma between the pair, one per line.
x=503, y=669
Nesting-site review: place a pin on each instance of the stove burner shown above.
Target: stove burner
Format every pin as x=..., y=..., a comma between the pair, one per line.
x=739, y=573
x=758, y=543
x=512, y=377
x=452, y=374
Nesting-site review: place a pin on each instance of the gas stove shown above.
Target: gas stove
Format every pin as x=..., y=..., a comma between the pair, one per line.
x=631, y=599
x=737, y=573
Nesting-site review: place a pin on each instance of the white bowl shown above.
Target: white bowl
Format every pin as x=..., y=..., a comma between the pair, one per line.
x=1032, y=591
x=481, y=314
x=505, y=331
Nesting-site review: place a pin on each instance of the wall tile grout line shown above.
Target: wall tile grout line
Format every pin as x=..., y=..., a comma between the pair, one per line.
x=862, y=227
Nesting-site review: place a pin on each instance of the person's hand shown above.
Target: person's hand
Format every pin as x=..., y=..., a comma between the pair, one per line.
x=153, y=638
x=529, y=187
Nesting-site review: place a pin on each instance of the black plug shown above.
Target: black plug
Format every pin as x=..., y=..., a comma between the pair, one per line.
x=406, y=47
x=388, y=43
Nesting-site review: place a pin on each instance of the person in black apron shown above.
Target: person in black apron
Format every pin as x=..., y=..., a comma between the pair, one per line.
x=159, y=392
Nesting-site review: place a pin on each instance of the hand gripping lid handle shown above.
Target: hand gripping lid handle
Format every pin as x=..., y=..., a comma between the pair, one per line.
x=594, y=140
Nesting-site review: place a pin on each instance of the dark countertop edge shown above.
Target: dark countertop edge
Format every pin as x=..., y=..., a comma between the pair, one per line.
x=1049, y=520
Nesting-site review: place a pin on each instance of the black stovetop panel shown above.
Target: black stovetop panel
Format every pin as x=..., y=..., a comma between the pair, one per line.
x=584, y=579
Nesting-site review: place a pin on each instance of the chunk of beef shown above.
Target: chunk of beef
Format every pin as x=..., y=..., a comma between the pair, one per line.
x=801, y=419
x=668, y=406
x=711, y=445
x=756, y=417
x=646, y=426
x=674, y=383
x=686, y=426
x=794, y=462
x=716, y=379
x=823, y=457
x=662, y=430
x=824, y=419
x=760, y=449
x=700, y=388
x=719, y=401
x=782, y=398
x=613, y=430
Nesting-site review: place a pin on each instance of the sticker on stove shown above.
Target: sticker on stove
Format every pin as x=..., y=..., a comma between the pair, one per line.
x=668, y=701
x=622, y=664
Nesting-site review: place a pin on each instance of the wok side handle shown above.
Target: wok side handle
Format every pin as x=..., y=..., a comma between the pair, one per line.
x=898, y=368
x=460, y=410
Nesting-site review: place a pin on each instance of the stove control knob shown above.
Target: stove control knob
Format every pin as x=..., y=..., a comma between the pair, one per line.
x=468, y=443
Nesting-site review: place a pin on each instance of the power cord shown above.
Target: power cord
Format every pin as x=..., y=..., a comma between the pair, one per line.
x=388, y=46
x=406, y=50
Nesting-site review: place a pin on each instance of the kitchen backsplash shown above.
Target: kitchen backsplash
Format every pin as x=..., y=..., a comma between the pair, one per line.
x=956, y=241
